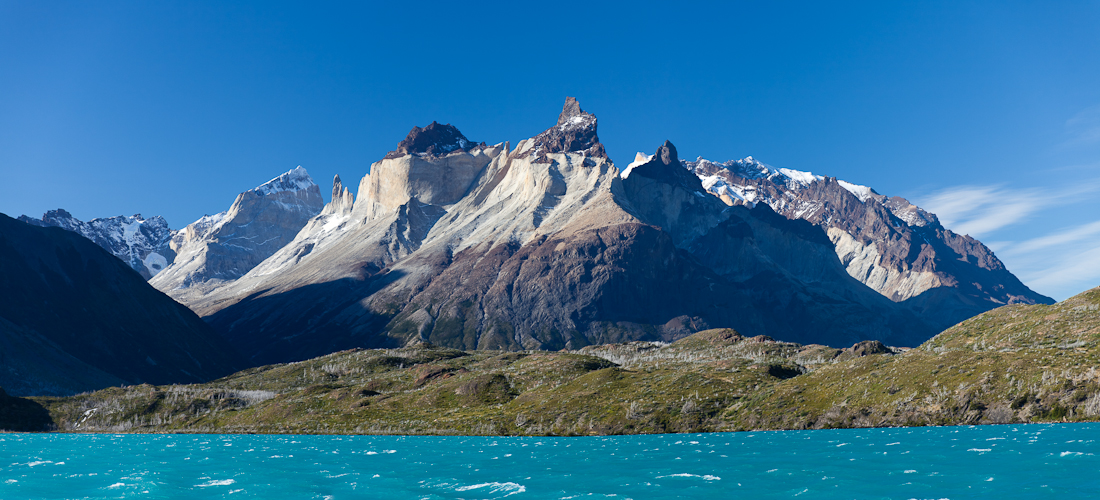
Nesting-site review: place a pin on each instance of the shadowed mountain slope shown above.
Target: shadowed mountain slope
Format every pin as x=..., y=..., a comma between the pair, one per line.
x=74, y=317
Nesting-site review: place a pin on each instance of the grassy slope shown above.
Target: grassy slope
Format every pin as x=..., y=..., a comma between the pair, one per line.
x=1013, y=364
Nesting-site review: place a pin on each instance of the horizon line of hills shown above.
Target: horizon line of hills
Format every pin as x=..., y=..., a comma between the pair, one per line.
x=543, y=246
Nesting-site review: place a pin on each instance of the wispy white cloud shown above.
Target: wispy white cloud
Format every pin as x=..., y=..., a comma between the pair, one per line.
x=1084, y=127
x=1062, y=238
x=1066, y=261
x=1074, y=272
x=1057, y=261
x=1049, y=235
x=978, y=210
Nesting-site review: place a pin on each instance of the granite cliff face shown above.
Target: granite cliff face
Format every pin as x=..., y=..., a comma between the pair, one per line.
x=225, y=246
x=543, y=246
x=76, y=318
x=887, y=243
x=144, y=244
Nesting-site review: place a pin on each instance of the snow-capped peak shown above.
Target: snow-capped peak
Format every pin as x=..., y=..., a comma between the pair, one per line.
x=864, y=193
x=294, y=180
x=134, y=239
x=803, y=178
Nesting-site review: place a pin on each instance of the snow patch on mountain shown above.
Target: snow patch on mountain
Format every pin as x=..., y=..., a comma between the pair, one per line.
x=155, y=262
x=131, y=238
x=864, y=193
x=575, y=122
x=296, y=179
x=802, y=178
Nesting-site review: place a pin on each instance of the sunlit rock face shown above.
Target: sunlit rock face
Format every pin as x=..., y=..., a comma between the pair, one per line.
x=225, y=246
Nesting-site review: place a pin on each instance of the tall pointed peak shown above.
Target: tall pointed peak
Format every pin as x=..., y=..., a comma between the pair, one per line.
x=337, y=186
x=342, y=199
x=434, y=140
x=667, y=154
x=570, y=110
x=663, y=166
x=575, y=132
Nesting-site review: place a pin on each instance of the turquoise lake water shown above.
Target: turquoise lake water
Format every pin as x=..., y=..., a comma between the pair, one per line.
x=1008, y=461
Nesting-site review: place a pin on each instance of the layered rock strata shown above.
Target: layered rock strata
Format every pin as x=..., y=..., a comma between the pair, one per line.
x=892, y=246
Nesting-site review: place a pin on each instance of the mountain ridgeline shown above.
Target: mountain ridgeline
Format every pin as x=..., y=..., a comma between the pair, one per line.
x=548, y=245
x=142, y=243
x=887, y=243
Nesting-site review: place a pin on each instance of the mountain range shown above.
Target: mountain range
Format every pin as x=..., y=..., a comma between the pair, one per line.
x=548, y=245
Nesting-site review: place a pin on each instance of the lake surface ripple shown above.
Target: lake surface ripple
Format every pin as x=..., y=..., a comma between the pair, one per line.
x=1007, y=461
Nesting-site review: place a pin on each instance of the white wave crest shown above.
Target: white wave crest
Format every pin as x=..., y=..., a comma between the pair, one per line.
x=705, y=477
x=508, y=488
x=216, y=482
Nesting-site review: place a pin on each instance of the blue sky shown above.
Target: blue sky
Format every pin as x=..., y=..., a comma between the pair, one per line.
x=985, y=113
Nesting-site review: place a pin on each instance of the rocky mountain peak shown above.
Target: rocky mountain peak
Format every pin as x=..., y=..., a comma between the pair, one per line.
x=227, y=245
x=575, y=132
x=59, y=214
x=433, y=140
x=342, y=199
x=297, y=179
x=337, y=186
x=667, y=154
x=571, y=109
x=663, y=166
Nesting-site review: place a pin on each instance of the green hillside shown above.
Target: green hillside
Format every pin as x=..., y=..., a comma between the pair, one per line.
x=1012, y=364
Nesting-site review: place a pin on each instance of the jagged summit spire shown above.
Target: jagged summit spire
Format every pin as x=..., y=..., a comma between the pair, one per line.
x=337, y=186
x=667, y=154
x=575, y=132
x=664, y=166
x=342, y=199
x=434, y=140
x=571, y=109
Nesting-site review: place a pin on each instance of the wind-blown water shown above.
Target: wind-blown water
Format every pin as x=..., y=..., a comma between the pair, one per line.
x=1019, y=461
